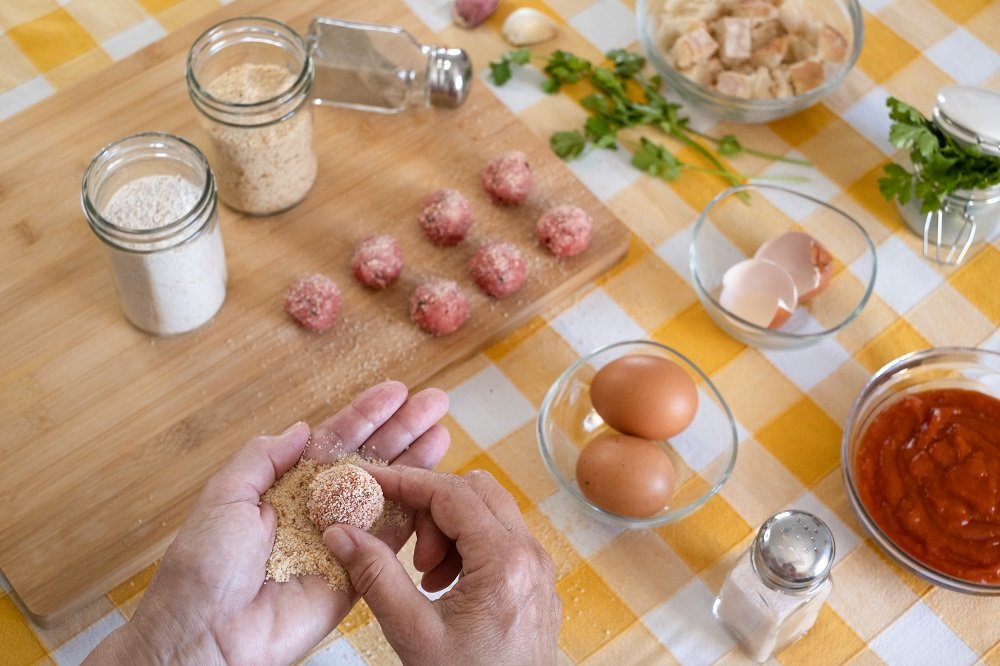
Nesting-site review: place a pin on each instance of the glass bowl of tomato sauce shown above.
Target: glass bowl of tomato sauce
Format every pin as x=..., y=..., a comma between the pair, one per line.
x=921, y=465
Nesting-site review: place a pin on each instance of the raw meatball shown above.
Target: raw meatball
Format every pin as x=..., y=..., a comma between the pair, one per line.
x=446, y=217
x=377, y=261
x=498, y=268
x=507, y=178
x=313, y=301
x=439, y=307
x=345, y=494
x=565, y=231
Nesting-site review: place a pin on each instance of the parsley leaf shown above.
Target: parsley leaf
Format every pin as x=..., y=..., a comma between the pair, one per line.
x=729, y=145
x=501, y=72
x=941, y=166
x=656, y=160
x=568, y=145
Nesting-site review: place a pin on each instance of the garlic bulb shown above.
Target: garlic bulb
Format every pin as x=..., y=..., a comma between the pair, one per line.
x=526, y=26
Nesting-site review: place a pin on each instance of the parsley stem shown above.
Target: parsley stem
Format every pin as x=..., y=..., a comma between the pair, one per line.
x=753, y=151
x=732, y=177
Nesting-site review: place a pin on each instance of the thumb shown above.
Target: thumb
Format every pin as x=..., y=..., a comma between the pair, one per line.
x=377, y=575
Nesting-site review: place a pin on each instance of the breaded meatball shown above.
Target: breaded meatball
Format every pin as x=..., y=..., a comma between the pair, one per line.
x=565, y=230
x=507, y=178
x=446, y=217
x=313, y=301
x=439, y=306
x=498, y=268
x=345, y=494
x=377, y=261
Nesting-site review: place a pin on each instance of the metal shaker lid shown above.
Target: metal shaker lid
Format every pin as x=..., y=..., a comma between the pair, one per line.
x=793, y=551
x=449, y=76
x=971, y=116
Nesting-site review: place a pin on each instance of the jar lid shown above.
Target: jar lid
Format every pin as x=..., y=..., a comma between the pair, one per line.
x=793, y=551
x=450, y=77
x=970, y=116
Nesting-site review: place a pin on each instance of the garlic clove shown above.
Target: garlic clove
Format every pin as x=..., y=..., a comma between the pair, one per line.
x=527, y=26
x=759, y=292
x=803, y=257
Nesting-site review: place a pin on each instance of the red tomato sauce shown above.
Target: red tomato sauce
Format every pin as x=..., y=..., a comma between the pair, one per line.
x=928, y=472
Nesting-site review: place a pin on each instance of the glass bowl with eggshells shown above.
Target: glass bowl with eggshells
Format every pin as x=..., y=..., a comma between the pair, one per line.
x=637, y=434
x=753, y=61
x=776, y=268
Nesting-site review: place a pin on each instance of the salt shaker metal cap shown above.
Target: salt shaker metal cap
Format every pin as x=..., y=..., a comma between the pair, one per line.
x=450, y=76
x=971, y=116
x=793, y=552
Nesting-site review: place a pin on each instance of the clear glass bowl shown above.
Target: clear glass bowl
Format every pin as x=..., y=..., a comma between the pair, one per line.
x=740, y=219
x=940, y=368
x=845, y=15
x=703, y=454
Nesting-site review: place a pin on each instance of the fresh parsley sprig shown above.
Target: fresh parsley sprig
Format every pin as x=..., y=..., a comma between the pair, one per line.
x=941, y=166
x=624, y=97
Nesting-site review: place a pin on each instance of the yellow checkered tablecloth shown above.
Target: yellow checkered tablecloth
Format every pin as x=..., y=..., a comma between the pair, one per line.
x=645, y=596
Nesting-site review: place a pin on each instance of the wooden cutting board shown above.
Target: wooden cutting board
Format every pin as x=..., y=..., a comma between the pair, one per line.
x=106, y=434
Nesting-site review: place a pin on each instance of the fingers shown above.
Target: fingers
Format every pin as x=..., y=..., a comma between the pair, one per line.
x=404, y=614
x=349, y=428
x=428, y=450
x=495, y=496
x=252, y=469
x=421, y=411
x=432, y=545
x=444, y=573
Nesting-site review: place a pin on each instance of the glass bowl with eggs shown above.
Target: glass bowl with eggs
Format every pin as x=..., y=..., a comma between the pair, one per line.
x=920, y=458
x=637, y=434
x=753, y=61
x=776, y=268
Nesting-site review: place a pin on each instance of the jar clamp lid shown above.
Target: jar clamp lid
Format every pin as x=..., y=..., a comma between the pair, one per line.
x=793, y=552
x=971, y=116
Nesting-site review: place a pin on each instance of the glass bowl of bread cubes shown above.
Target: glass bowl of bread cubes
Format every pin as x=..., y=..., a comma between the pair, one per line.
x=751, y=61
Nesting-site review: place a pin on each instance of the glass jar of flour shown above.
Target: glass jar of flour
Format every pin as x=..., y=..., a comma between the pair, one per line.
x=151, y=198
x=251, y=78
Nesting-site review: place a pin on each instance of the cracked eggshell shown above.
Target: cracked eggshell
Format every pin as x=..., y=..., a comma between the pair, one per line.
x=804, y=258
x=527, y=26
x=760, y=292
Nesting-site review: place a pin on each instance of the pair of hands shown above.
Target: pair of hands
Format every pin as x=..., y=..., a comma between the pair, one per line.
x=208, y=602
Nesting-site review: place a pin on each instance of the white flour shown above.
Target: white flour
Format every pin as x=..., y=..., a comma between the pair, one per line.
x=173, y=289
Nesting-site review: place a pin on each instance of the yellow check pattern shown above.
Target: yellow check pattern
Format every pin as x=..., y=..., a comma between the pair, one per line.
x=644, y=597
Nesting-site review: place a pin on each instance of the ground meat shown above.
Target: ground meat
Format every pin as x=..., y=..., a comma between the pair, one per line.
x=345, y=494
x=439, y=306
x=565, y=230
x=446, y=217
x=498, y=268
x=313, y=301
x=377, y=261
x=507, y=178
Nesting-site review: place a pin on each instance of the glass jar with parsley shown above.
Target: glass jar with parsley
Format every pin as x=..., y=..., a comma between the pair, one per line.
x=952, y=196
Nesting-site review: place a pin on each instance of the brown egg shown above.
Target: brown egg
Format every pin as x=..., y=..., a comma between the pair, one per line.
x=644, y=395
x=625, y=475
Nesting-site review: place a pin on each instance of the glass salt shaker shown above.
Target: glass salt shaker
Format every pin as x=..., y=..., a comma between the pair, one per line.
x=151, y=199
x=774, y=593
x=383, y=68
x=251, y=80
x=970, y=116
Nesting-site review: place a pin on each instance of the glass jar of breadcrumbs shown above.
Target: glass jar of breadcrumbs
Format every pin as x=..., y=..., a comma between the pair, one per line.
x=251, y=79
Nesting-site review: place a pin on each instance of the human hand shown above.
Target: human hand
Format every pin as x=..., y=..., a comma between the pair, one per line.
x=504, y=608
x=208, y=602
